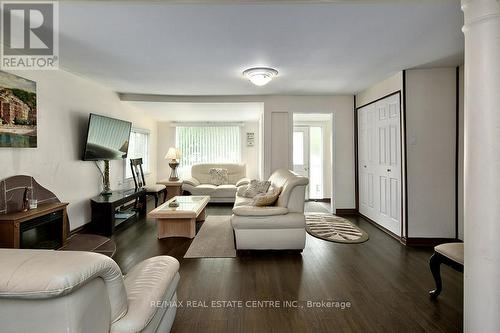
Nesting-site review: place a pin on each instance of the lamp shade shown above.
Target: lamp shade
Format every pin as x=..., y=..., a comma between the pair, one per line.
x=173, y=154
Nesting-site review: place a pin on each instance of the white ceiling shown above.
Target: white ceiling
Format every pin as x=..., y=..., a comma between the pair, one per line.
x=229, y=112
x=200, y=49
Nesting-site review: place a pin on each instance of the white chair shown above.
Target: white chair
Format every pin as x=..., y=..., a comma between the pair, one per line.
x=48, y=291
x=279, y=227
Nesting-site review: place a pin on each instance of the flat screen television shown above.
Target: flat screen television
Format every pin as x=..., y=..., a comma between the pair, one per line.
x=107, y=138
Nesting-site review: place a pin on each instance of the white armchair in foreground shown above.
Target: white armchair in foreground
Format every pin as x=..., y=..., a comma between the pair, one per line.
x=48, y=291
x=278, y=227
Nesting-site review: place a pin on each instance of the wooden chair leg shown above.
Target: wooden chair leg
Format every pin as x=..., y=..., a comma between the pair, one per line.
x=156, y=200
x=165, y=195
x=435, y=265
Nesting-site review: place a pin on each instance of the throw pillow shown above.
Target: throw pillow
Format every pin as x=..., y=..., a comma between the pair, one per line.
x=255, y=187
x=241, y=190
x=218, y=176
x=268, y=198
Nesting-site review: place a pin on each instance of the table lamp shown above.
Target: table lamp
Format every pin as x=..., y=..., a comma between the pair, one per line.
x=173, y=155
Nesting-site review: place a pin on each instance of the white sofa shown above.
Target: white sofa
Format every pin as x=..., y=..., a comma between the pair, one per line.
x=279, y=227
x=47, y=291
x=199, y=183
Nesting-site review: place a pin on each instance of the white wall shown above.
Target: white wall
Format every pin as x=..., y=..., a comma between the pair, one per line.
x=430, y=134
x=249, y=155
x=327, y=157
x=461, y=151
x=261, y=146
x=64, y=103
x=278, y=124
x=431, y=126
x=166, y=139
x=277, y=146
x=383, y=88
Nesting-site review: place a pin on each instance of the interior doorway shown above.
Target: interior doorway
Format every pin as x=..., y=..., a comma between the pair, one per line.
x=312, y=153
x=301, y=157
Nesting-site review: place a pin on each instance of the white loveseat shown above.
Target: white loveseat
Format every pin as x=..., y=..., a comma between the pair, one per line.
x=199, y=183
x=278, y=227
x=47, y=291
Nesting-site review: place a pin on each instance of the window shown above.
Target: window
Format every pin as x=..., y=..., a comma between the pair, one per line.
x=208, y=144
x=298, y=148
x=138, y=148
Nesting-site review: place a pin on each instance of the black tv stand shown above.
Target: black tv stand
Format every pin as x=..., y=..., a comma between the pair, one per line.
x=106, y=207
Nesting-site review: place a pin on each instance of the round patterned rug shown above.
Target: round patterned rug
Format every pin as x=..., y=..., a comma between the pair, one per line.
x=334, y=228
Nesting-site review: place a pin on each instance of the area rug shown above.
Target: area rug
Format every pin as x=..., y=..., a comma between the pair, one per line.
x=215, y=239
x=334, y=228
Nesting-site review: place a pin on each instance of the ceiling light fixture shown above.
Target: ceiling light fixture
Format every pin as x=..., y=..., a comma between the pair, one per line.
x=260, y=75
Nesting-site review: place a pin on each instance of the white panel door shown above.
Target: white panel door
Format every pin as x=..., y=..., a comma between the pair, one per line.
x=301, y=150
x=300, y=156
x=379, y=157
x=367, y=153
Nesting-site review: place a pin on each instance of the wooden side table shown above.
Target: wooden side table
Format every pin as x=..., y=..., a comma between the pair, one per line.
x=174, y=188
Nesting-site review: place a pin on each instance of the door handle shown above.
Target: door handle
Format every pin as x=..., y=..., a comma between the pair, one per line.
x=364, y=166
x=388, y=170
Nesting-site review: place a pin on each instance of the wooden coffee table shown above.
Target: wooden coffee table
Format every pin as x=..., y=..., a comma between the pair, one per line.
x=180, y=221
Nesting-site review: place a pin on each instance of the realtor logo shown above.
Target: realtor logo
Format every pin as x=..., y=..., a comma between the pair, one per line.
x=30, y=35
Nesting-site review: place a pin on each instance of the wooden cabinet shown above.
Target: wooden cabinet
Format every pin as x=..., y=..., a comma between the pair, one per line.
x=106, y=210
x=12, y=225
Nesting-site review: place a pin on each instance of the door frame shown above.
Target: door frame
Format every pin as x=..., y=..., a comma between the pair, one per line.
x=306, y=143
x=333, y=205
x=404, y=188
x=322, y=125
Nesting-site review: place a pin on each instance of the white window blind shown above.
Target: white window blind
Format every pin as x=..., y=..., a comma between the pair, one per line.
x=138, y=148
x=208, y=144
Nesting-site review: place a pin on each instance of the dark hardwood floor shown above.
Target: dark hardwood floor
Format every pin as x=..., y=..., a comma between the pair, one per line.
x=385, y=282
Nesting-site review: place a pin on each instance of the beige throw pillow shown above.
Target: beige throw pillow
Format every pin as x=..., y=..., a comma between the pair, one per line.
x=267, y=199
x=241, y=190
x=255, y=187
x=218, y=176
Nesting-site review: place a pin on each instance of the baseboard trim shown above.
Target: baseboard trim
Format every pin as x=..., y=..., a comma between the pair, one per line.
x=426, y=241
x=411, y=241
x=378, y=226
x=319, y=200
x=81, y=229
x=346, y=212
